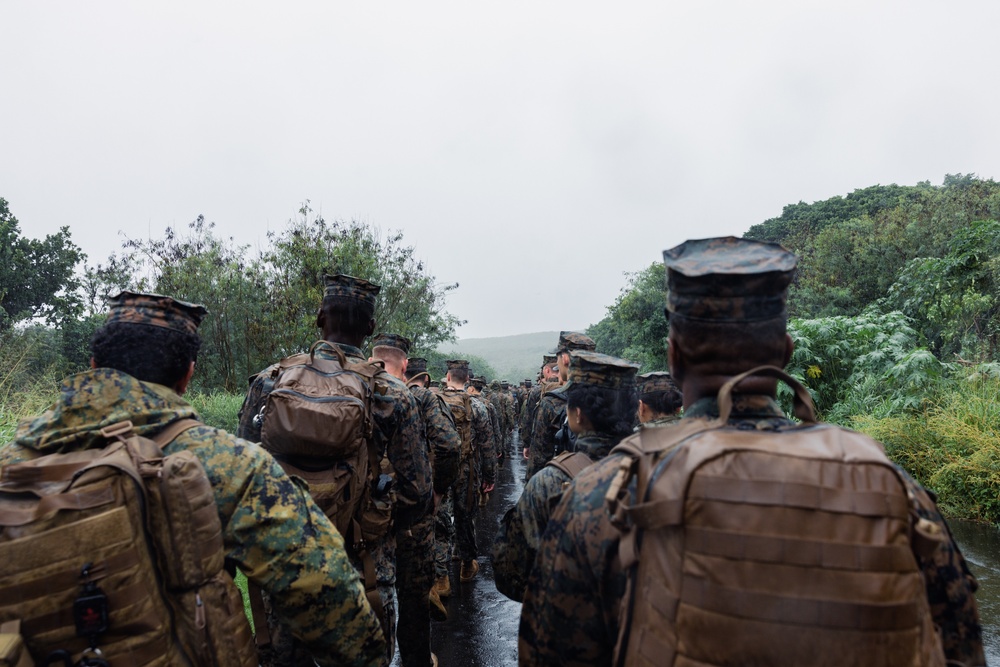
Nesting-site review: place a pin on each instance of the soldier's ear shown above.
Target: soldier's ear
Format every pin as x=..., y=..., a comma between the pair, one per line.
x=93, y=364
x=320, y=319
x=182, y=384
x=675, y=360
x=789, y=348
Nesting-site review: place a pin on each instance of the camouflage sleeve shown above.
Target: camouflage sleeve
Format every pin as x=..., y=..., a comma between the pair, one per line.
x=950, y=589
x=496, y=424
x=528, y=417
x=399, y=433
x=299, y=560
x=443, y=438
x=511, y=413
x=548, y=421
x=482, y=437
x=571, y=603
x=521, y=531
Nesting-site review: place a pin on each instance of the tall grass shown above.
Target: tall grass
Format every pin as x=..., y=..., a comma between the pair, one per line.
x=218, y=409
x=951, y=445
x=25, y=390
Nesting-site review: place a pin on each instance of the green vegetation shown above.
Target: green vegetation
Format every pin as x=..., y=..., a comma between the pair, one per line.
x=895, y=317
x=635, y=327
x=36, y=276
x=218, y=409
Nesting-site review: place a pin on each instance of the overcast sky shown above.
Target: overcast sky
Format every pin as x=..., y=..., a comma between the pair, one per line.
x=531, y=151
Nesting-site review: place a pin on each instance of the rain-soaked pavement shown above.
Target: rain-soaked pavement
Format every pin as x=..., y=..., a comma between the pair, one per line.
x=481, y=630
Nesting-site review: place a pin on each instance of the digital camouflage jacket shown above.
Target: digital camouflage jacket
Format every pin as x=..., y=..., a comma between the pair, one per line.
x=272, y=529
x=484, y=441
x=522, y=527
x=442, y=437
x=548, y=420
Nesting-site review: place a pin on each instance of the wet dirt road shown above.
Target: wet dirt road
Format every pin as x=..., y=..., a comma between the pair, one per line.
x=481, y=630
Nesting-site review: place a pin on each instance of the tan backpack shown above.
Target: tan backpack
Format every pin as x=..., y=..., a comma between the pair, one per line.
x=460, y=404
x=316, y=420
x=769, y=547
x=570, y=463
x=115, y=557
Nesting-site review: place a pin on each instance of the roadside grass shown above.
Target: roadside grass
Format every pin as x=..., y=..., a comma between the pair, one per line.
x=218, y=409
x=952, y=446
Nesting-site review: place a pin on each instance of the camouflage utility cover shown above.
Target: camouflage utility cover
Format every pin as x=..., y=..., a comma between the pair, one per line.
x=600, y=370
x=156, y=310
x=350, y=288
x=728, y=279
x=572, y=340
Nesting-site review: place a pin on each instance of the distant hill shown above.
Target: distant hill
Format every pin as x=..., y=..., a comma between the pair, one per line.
x=513, y=357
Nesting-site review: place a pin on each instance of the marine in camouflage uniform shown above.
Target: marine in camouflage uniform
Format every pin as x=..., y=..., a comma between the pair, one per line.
x=594, y=380
x=346, y=319
x=442, y=436
x=490, y=395
x=415, y=547
x=552, y=405
x=272, y=529
x=531, y=404
x=477, y=472
x=509, y=403
x=571, y=611
x=490, y=398
x=660, y=399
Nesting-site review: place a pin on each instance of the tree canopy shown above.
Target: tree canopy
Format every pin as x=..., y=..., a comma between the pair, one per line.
x=635, y=327
x=262, y=304
x=922, y=260
x=37, y=277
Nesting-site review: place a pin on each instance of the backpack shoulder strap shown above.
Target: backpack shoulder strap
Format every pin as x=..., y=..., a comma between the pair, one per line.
x=174, y=429
x=418, y=379
x=571, y=463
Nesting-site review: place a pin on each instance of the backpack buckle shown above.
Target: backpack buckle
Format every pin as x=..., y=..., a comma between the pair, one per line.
x=613, y=499
x=118, y=431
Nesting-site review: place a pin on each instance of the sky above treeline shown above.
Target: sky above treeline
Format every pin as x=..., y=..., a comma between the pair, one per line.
x=533, y=152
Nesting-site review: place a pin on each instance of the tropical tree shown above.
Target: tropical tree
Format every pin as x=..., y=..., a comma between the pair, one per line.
x=262, y=305
x=635, y=327
x=36, y=276
x=954, y=298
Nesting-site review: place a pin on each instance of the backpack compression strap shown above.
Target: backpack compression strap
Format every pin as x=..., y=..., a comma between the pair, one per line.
x=571, y=463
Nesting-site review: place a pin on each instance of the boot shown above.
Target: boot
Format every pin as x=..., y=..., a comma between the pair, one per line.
x=469, y=570
x=437, y=608
x=443, y=586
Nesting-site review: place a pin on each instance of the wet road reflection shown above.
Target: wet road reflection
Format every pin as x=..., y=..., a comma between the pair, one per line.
x=980, y=543
x=481, y=630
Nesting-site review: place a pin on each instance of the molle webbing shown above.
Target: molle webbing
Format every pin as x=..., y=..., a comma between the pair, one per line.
x=139, y=530
x=779, y=547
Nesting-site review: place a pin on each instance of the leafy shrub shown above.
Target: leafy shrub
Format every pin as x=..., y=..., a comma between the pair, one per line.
x=869, y=364
x=27, y=386
x=952, y=445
